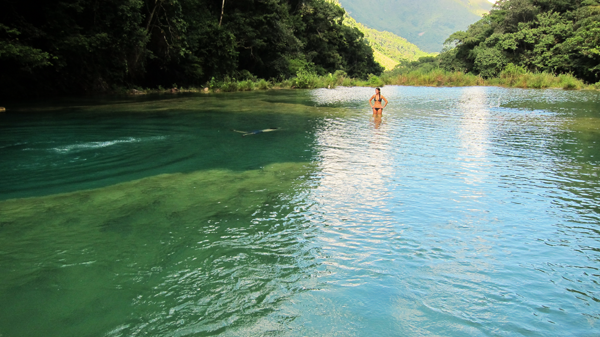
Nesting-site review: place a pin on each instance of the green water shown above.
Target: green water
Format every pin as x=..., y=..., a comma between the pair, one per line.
x=464, y=211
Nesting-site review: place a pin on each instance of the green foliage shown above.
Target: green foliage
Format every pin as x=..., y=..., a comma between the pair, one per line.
x=25, y=56
x=432, y=77
x=569, y=82
x=423, y=65
x=540, y=36
x=262, y=85
x=375, y=81
x=339, y=77
x=213, y=84
x=76, y=46
x=300, y=65
x=246, y=85
x=512, y=76
x=305, y=80
x=489, y=62
x=229, y=85
x=512, y=71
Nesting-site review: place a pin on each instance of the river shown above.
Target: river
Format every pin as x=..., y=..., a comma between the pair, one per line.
x=463, y=211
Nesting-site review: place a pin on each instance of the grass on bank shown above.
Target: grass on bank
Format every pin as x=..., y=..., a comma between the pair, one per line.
x=436, y=78
x=303, y=80
x=442, y=78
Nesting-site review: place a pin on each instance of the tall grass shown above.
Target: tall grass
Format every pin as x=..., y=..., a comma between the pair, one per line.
x=436, y=78
x=512, y=76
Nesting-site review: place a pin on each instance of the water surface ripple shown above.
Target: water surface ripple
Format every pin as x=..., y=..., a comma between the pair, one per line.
x=463, y=211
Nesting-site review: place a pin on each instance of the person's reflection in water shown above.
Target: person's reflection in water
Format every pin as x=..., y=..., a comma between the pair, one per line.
x=377, y=120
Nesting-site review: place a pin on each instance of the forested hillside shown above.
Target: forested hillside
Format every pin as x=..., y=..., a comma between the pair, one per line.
x=388, y=45
x=552, y=36
x=74, y=46
x=425, y=23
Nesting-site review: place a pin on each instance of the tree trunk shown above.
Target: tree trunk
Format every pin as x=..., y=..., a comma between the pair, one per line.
x=222, y=9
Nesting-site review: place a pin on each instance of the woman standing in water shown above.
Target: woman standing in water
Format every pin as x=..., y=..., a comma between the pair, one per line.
x=377, y=108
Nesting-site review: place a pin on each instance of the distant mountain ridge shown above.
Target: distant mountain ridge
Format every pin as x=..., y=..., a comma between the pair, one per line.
x=425, y=23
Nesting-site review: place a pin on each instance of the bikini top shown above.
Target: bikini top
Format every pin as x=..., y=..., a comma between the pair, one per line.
x=378, y=100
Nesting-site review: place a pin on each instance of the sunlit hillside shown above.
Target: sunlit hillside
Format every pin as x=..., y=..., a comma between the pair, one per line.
x=425, y=23
x=389, y=48
x=478, y=7
x=384, y=60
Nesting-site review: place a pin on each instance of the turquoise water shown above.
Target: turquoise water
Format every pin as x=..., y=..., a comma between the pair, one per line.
x=463, y=211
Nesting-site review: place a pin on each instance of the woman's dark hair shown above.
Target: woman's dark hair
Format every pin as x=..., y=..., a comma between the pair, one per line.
x=378, y=92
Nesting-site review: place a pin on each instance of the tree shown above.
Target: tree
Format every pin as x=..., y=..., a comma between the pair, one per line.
x=75, y=46
x=555, y=36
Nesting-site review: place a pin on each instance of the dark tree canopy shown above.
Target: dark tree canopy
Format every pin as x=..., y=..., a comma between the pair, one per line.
x=76, y=46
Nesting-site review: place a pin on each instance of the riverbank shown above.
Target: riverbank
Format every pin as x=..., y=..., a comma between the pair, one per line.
x=510, y=79
x=433, y=78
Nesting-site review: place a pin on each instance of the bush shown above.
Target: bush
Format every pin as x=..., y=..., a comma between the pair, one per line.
x=339, y=76
x=247, y=85
x=262, y=84
x=246, y=75
x=300, y=65
x=229, y=85
x=511, y=72
x=213, y=84
x=569, y=82
x=541, y=81
x=375, y=81
x=305, y=80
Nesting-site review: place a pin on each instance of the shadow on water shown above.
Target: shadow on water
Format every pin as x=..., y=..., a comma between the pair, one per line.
x=167, y=222
x=87, y=145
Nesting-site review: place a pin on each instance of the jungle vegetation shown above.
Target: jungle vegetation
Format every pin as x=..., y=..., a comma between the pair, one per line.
x=81, y=46
x=535, y=36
